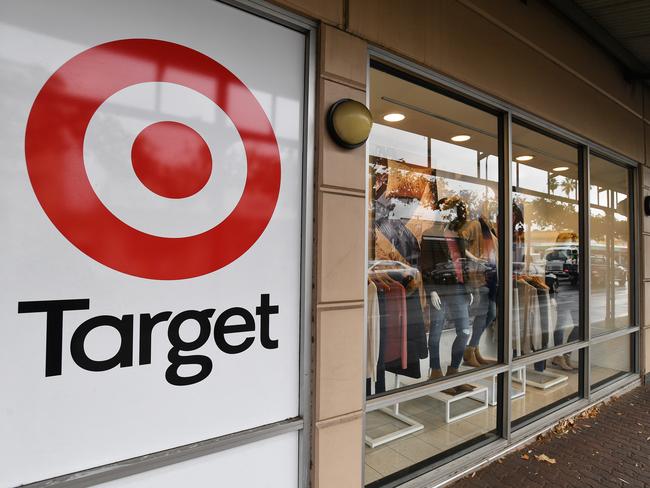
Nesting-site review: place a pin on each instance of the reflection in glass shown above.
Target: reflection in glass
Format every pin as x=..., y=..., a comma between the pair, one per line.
x=609, y=225
x=432, y=258
x=610, y=360
x=544, y=390
x=546, y=237
x=391, y=450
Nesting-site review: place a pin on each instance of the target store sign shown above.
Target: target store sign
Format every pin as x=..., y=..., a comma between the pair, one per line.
x=150, y=203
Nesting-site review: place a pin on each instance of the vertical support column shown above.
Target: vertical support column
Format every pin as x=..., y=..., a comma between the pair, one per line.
x=340, y=276
x=635, y=277
x=641, y=240
x=642, y=264
x=505, y=268
x=584, y=267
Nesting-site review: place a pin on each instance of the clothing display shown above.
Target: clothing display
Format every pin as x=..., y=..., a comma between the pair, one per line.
x=397, y=320
x=372, y=354
x=535, y=314
x=432, y=269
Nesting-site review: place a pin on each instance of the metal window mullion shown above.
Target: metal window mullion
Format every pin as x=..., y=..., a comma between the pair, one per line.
x=424, y=389
x=635, y=276
x=309, y=117
x=610, y=336
x=545, y=354
x=505, y=269
x=584, y=267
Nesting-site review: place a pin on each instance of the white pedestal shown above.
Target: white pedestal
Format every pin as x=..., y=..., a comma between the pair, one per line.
x=518, y=375
x=480, y=394
x=544, y=379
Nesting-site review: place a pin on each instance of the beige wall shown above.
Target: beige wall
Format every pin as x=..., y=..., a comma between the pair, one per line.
x=340, y=274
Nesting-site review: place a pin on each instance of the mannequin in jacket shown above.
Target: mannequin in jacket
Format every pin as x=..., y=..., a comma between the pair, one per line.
x=443, y=268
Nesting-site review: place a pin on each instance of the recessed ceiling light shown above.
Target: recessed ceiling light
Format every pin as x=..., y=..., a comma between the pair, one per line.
x=461, y=138
x=525, y=157
x=561, y=168
x=394, y=117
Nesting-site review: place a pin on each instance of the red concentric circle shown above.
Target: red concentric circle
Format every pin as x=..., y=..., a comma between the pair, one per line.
x=171, y=159
x=54, y=153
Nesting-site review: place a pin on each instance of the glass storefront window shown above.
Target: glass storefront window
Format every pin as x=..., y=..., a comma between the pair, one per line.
x=611, y=359
x=392, y=452
x=546, y=239
x=434, y=279
x=609, y=226
x=433, y=246
x=545, y=390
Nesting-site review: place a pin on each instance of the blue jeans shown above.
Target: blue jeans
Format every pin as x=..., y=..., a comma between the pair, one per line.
x=486, y=312
x=455, y=309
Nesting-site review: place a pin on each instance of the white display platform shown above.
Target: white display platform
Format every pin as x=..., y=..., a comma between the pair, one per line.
x=413, y=426
x=543, y=379
x=518, y=375
x=481, y=392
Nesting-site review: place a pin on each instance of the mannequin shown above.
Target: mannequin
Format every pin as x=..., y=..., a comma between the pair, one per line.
x=488, y=250
x=443, y=268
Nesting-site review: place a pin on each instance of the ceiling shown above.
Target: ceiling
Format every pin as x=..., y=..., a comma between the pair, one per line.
x=620, y=27
x=439, y=117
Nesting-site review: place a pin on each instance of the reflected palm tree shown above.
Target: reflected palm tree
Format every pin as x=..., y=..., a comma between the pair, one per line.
x=569, y=186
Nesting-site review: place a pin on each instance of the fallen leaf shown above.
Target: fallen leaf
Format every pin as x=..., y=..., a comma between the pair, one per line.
x=525, y=456
x=545, y=458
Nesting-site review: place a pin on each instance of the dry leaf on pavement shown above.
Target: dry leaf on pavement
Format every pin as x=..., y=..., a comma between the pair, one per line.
x=545, y=458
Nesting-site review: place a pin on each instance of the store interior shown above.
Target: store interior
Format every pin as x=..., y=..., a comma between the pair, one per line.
x=433, y=281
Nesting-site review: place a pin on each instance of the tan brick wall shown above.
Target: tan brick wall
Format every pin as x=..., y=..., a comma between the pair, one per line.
x=340, y=274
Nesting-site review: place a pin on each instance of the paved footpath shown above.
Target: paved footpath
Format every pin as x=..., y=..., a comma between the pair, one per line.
x=611, y=449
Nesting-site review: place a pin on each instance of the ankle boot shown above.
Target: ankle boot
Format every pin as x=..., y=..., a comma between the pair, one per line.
x=469, y=357
x=560, y=362
x=481, y=359
x=434, y=374
x=567, y=360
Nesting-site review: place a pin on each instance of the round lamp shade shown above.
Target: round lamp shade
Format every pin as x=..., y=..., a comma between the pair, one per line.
x=349, y=123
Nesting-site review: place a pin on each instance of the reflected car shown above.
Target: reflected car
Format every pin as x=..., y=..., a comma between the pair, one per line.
x=563, y=261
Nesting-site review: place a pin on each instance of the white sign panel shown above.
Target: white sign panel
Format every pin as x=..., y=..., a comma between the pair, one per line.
x=150, y=206
x=275, y=460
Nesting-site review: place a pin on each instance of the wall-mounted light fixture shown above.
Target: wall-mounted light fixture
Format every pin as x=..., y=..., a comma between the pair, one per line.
x=349, y=123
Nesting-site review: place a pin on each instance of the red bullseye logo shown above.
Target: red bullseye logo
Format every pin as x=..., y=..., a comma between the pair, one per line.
x=170, y=159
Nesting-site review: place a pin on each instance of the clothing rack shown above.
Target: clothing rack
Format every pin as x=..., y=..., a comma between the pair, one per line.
x=538, y=379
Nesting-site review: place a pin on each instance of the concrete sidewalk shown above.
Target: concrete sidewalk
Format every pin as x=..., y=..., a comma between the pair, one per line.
x=611, y=449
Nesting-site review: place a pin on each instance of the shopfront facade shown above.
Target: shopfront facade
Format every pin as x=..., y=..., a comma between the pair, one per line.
x=499, y=133
x=397, y=313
